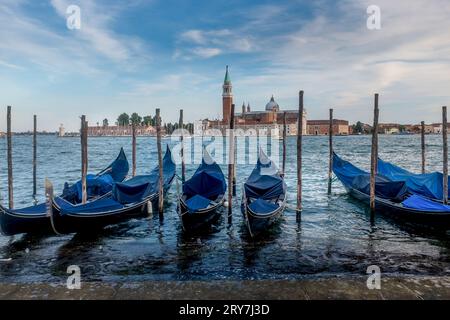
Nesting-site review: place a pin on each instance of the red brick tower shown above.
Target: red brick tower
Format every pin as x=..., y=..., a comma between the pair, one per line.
x=227, y=98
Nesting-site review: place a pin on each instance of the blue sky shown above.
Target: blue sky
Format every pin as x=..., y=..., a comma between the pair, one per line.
x=140, y=55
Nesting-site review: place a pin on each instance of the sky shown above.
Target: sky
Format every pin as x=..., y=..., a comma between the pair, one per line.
x=135, y=56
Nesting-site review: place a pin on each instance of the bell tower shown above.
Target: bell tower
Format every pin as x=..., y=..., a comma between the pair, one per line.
x=227, y=97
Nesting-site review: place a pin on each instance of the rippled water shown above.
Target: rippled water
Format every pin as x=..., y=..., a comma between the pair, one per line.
x=333, y=237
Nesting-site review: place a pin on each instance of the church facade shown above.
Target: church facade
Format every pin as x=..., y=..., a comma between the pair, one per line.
x=255, y=122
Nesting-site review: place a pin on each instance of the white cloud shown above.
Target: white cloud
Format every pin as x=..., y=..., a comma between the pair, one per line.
x=211, y=43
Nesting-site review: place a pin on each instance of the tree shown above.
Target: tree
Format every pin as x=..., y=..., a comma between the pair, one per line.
x=105, y=122
x=358, y=127
x=123, y=119
x=147, y=121
x=135, y=119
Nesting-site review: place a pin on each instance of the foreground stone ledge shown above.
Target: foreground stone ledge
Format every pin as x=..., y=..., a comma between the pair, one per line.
x=395, y=288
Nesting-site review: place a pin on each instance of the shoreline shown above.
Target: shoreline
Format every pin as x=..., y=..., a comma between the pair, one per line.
x=347, y=288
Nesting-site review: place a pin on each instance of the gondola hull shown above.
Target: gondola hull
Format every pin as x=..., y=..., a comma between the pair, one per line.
x=13, y=223
x=86, y=223
x=199, y=219
x=396, y=211
x=34, y=219
x=257, y=223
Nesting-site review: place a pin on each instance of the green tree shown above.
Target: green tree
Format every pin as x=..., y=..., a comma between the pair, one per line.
x=147, y=120
x=135, y=119
x=105, y=122
x=358, y=127
x=123, y=119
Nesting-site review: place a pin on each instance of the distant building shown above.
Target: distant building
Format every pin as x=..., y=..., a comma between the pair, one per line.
x=322, y=127
x=261, y=122
x=99, y=131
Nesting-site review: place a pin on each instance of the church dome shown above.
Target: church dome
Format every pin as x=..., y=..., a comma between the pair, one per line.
x=272, y=105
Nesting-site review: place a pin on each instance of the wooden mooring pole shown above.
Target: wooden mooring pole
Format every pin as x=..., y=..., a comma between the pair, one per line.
x=34, y=155
x=330, y=160
x=133, y=152
x=283, y=167
x=183, y=165
x=445, y=158
x=422, y=125
x=84, y=159
x=374, y=157
x=160, y=163
x=231, y=159
x=299, y=152
x=9, y=152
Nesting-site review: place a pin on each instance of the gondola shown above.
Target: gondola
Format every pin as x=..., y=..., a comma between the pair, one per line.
x=34, y=219
x=392, y=198
x=203, y=194
x=263, y=195
x=429, y=185
x=136, y=197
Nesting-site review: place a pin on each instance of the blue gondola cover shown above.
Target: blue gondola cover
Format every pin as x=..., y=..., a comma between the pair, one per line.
x=138, y=188
x=197, y=202
x=262, y=206
x=420, y=203
x=207, y=181
x=264, y=182
x=428, y=185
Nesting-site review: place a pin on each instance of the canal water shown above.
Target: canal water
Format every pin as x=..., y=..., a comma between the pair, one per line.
x=334, y=236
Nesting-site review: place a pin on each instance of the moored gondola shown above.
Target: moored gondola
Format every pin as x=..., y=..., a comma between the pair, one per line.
x=393, y=198
x=136, y=197
x=429, y=185
x=203, y=194
x=263, y=196
x=34, y=219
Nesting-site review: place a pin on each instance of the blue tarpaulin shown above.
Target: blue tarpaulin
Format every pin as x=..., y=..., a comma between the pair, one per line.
x=101, y=183
x=265, y=181
x=140, y=187
x=428, y=185
x=207, y=181
x=421, y=203
x=358, y=179
x=197, y=202
x=98, y=206
x=263, y=206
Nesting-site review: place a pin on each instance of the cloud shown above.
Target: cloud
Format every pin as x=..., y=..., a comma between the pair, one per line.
x=59, y=51
x=210, y=43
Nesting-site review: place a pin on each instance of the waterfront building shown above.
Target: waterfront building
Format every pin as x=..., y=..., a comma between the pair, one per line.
x=322, y=127
x=141, y=130
x=257, y=122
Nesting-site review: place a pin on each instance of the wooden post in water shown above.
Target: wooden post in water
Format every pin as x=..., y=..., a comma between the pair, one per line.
x=34, y=155
x=299, y=152
x=231, y=165
x=84, y=159
x=330, y=160
x=133, y=152
x=183, y=166
x=160, y=163
x=9, y=152
x=374, y=156
x=445, y=144
x=283, y=168
x=422, y=124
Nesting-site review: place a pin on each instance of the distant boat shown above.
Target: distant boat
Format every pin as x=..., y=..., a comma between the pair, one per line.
x=392, y=198
x=34, y=219
x=132, y=198
x=264, y=195
x=203, y=194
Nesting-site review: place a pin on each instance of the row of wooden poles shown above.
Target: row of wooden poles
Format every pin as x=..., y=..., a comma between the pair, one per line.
x=231, y=165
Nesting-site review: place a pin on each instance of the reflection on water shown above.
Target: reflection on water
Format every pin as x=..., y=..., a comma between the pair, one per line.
x=334, y=235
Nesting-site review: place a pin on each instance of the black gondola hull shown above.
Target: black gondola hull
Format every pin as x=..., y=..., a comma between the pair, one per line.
x=11, y=224
x=397, y=212
x=199, y=219
x=257, y=224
